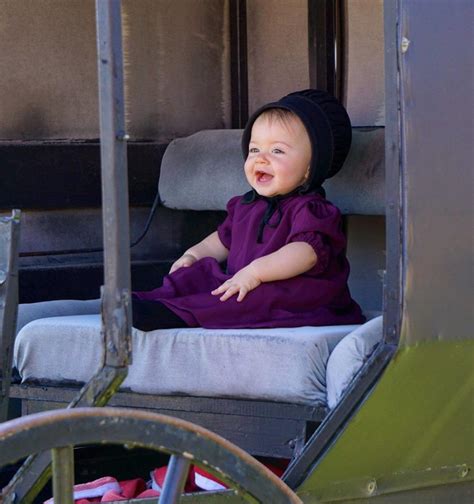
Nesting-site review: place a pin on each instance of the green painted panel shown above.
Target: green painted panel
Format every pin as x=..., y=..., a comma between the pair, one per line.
x=223, y=497
x=415, y=430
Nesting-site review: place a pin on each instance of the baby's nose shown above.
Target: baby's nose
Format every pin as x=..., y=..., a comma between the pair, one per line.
x=262, y=158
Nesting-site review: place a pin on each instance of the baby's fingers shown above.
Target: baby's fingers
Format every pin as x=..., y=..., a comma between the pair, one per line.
x=222, y=288
x=242, y=293
x=174, y=267
x=177, y=266
x=232, y=290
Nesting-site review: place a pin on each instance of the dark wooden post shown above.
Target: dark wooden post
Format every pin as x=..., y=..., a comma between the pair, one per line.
x=238, y=62
x=325, y=45
x=116, y=312
x=9, y=239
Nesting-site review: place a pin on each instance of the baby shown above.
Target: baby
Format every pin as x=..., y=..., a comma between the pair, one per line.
x=283, y=241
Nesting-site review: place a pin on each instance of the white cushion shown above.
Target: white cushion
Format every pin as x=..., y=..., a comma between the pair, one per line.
x=287, y=364
x=349, y=356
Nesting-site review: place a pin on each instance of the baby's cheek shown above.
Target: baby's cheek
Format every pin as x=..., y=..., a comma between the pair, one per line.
x=247, y=171
x=286, y=174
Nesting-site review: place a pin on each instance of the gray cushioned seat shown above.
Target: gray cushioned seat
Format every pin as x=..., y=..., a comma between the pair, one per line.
x=190, y=163
x=274, y=364
x=349, y=356
x=286, y=365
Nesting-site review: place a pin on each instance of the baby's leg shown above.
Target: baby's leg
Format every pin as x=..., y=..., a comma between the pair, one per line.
x=151, y=315
x=32, y=311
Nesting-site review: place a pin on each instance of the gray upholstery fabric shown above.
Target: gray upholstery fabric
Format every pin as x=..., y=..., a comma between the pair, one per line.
x=366, y=255
x=204, y=170
x=359, y=188
x=349, y=356
x=273, y=364
x=60, y=308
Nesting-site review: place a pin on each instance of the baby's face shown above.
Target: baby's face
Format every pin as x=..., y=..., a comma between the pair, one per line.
x=279, y=156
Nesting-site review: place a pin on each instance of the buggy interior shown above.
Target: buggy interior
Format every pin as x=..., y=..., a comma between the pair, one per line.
x=266, y=390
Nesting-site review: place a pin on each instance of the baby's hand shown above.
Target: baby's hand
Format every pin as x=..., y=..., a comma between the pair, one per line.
x=242, y=282
x=183, y=262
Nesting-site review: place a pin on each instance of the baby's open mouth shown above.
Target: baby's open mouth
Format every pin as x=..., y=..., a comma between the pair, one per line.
x=263, y=176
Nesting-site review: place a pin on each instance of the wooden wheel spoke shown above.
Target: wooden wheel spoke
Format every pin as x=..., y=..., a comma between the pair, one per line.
x=63, y=474
x=176, y=475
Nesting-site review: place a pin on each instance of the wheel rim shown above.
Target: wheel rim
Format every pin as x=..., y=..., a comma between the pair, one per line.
x=189, y=443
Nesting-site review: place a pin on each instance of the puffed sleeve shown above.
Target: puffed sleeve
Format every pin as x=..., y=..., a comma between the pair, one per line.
x=224, y=231
x=319, y=223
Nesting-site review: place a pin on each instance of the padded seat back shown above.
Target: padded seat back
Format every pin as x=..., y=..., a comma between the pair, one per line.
x=203, y=171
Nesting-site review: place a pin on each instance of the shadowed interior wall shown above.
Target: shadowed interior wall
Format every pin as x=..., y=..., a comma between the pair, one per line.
x=365, y=62
x=277, y=49
x=179, y=64
x=178, y=73
x=278, y=55
x=48, y=78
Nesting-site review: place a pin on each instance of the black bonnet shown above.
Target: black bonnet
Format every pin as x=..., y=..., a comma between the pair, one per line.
x=328, y=126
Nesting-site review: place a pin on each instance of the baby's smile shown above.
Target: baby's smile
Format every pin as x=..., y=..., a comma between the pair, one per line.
x=263, y=177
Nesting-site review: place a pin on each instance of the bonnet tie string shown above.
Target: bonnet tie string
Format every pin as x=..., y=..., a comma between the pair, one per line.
x=273, y=204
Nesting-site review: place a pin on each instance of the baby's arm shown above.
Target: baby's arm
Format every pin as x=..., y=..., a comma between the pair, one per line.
x=291, y=260
x=211, y=246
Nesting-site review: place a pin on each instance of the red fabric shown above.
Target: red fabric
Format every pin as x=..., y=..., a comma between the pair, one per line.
x=123, y=490
x=129, y=490
x=112, y=496
x=148, y=493
x=158, y=479
x=204, y=477
x=136, y=488
x=278, y=471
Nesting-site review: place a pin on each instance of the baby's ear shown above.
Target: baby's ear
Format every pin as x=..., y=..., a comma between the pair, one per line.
x=308, y=171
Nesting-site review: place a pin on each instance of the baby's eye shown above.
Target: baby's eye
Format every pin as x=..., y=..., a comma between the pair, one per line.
x=253, y=150
x=277, y=151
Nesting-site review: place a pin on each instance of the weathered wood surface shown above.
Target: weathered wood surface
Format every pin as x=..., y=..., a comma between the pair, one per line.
x=260, y=427
x=9, y=242
x=64, y=393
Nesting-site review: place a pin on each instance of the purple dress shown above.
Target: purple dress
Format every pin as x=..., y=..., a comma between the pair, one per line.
x=318, y=297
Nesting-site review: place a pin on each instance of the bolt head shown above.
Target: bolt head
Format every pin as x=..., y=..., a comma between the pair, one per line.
x=372, y=487
x=405, y=45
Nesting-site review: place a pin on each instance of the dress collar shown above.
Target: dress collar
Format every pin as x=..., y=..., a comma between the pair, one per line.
x=273, y=205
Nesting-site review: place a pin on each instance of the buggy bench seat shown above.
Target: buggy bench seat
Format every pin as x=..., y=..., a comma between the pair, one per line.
x=285, y=365
x=304, y=365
